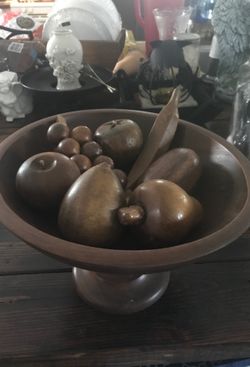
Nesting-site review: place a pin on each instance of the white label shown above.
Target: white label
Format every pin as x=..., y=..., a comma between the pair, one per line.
x=16, y=47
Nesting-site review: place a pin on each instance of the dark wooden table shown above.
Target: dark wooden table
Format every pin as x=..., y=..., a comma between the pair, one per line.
x=203, y=316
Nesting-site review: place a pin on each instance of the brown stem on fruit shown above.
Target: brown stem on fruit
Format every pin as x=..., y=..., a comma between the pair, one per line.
x=41, y=163
x=131, y=216
x=128, y=197
x=60, y=118
x=113, y=124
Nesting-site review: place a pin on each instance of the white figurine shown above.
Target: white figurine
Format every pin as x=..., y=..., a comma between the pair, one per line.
x=15, y=101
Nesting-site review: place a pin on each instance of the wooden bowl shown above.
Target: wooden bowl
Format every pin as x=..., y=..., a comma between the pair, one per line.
x=125, y=281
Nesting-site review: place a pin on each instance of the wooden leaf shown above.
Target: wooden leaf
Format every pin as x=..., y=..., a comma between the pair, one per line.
x=159, y=139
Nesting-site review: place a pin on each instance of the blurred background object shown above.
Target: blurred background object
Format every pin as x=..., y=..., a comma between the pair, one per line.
x=104, y=53
x=203, y=9
x=131, y=57
x=88, y=19
x=15, y=101
x=240, y=128
x=171, y=22
x=141, y=79
x=145, y=18
x=98, y=25
x=38, y=10
x=19, y=56
x=231, y=22
x=201, y=18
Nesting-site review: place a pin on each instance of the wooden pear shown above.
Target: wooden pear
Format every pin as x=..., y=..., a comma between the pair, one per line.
x=88, y=211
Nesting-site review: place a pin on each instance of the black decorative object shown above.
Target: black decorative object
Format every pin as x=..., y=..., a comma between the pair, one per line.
x=166, y=67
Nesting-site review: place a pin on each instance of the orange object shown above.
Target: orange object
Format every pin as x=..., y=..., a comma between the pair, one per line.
x=130, y=63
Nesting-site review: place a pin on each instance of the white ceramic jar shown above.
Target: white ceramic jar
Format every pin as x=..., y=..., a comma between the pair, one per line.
x=65, y=55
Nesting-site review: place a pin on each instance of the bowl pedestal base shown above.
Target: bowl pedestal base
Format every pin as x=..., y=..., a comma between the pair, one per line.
x=119, y=293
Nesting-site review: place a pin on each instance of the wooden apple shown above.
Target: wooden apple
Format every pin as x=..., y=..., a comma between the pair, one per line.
x=43, y=179
x=121, y=140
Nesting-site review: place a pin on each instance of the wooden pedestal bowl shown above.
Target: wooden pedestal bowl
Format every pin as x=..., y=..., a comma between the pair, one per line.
x=126, y=281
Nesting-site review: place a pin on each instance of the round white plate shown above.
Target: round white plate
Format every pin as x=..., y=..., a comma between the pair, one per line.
x=84, y=24
x=105, y=10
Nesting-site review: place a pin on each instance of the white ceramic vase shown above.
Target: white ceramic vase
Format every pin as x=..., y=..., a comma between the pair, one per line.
x=65, y=55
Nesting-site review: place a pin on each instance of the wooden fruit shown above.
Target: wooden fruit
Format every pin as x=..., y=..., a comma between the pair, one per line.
x=82, y=134
x=57, y=132
x=104, y=159
x=121, y=140
x=158, y=140
x=43, y=179
x=166, y=213
x=68, y=147
x=88, y=211
x=82, y=161
x=181, y=166
x=91, y=149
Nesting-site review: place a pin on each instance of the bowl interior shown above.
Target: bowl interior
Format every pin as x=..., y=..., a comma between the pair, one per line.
x=223, y=190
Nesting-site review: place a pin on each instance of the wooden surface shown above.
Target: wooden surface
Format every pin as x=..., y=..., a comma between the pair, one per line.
x=203, y=316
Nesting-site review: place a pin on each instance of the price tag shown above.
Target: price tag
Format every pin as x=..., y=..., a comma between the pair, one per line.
x=16, y=47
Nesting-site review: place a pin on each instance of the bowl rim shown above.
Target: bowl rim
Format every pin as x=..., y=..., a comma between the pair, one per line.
x=127, y=261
